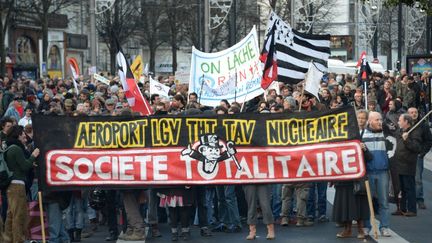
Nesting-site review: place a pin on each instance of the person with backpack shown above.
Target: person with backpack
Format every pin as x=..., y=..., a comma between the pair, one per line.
x=19, y=164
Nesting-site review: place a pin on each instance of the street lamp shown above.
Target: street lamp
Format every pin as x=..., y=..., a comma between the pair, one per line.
x=103, y=5
x=415, y=24
x=367, y=22
x=219, y=10
x=212, y=20
x=96, y=7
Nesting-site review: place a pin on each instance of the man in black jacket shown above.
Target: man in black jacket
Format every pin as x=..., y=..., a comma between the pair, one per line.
x=407, y=149
x=426, y=144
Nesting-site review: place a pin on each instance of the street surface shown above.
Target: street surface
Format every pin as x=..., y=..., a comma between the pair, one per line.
x=415, y=229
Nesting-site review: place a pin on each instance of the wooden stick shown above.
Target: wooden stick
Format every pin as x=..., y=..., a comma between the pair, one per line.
x=372, y=212
x=418, y=123
x=301, y=98
x=41, y=217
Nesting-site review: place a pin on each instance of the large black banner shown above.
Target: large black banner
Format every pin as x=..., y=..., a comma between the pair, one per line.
x=242, y=148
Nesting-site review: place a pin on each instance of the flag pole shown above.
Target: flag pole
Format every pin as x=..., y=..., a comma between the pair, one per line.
x=418, y=123
x=365, y=90
x=235, y=87
x=244, y=101
x=301, y=97
x=202, y=85
x=150, y=79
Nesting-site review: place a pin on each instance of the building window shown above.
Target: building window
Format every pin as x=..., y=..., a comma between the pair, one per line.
x=54, y=58
x=24, y=51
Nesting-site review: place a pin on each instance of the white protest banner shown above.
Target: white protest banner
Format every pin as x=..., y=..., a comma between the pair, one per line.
x=313, y=80
x=213, y=76
x=182, y=76
x=101, y=79
x=158, y=88
x=92, y=70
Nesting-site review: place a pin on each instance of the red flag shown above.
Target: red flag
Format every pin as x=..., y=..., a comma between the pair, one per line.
x=360, y=60
x=75, y=72
x=72, y=61
x=365, y=69
x=136, y=100
x=268, y=57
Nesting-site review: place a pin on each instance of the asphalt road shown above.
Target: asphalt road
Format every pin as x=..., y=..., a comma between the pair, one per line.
x=414, y=229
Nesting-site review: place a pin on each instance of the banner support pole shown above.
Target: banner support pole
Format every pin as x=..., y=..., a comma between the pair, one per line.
x=235, y=87
x=371, y=209
x=41, y=217
x=202, y=85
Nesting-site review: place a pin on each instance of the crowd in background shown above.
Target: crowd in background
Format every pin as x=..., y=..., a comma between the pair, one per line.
x=395, y=103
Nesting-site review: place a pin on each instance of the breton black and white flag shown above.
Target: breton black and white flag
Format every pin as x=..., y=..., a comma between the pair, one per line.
x=293, y=51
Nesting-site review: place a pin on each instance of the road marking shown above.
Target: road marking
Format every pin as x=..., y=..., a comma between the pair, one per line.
x=395, y=238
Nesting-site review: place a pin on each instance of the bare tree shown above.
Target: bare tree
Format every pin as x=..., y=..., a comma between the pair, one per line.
x=426, y=5
x=314, y=16
x=415, y=29
x=191, y=30
x=272, y=3
x=247, y=17
x=218, y=38
x=310, y=16
x=282, y=8
x=151, y=22
x=116, y=26
x=387, y=32
x=175, y=18
x=40, y=11
x=369, y=14
x=234, y=19
x=6, y=11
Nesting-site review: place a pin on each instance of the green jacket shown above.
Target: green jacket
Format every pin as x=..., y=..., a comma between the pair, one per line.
x=17, y=163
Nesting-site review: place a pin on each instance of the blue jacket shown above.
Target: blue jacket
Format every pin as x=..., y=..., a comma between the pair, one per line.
x=376, y=144
x=12, y=112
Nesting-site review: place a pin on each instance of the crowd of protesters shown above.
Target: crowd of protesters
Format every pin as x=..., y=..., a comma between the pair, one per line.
x=395, y=103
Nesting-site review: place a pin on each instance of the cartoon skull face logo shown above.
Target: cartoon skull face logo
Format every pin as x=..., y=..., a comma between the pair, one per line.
x=210, y=152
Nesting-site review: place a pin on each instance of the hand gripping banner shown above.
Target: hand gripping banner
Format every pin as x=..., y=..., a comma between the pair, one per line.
x=118, y=152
